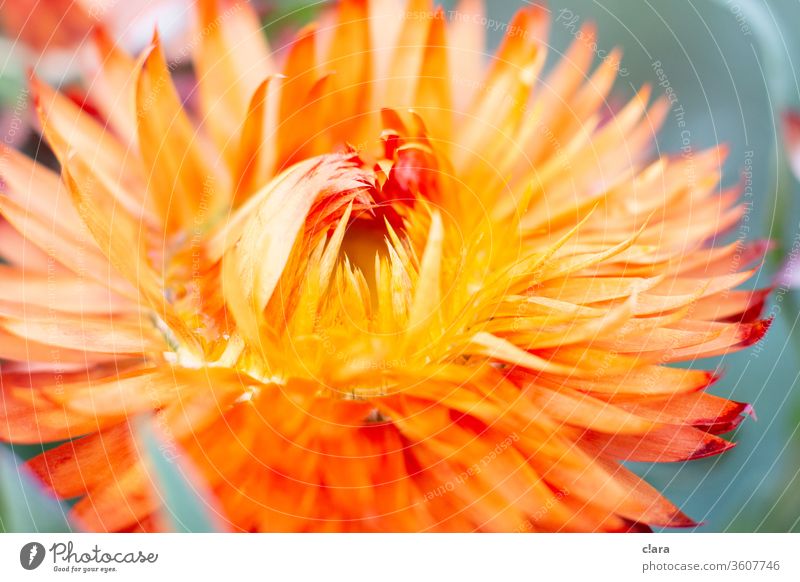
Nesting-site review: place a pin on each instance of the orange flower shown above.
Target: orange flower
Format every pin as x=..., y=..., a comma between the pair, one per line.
x=382, y=290
x=45, y=25
x=53, y=33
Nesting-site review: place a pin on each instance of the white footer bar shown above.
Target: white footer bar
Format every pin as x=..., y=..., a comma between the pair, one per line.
x=406, y=558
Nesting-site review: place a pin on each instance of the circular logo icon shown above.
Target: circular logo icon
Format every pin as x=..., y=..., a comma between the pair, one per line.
x=31, y=555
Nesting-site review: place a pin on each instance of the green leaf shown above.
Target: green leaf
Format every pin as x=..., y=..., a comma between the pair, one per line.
x=290, y=14
x=12, y=74
x=187, y=504
x=24, y=505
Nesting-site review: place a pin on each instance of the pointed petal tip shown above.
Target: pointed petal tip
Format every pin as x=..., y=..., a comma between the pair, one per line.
x=589, y=30
x=728, y=420
x=683, y=521
x=755, y=332
x=712, y=378
x=677, y=519
x=711, y=447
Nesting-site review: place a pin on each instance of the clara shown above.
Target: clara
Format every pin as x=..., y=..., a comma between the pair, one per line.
x=648, y=549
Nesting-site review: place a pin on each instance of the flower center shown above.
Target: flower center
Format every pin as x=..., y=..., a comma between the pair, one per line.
x=365, y=243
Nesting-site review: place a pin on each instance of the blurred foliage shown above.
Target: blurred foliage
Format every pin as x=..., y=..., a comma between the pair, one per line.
x=12, y=77
x=24, y=506
x=186, y=505
x=290, y=14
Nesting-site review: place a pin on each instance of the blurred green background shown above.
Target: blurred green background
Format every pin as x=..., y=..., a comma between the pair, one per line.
x=734, y=66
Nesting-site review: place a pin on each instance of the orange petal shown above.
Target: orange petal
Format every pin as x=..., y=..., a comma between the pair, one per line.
x=661, y=445
x=74, y=293
x=433, y=100
x=83, y=465
x=232, y=60
x=256, y=153
x=113, y=86
x=177, y=175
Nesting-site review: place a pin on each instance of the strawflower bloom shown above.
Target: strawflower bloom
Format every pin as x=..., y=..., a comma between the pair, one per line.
x=378, y=282
x=51, y=35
